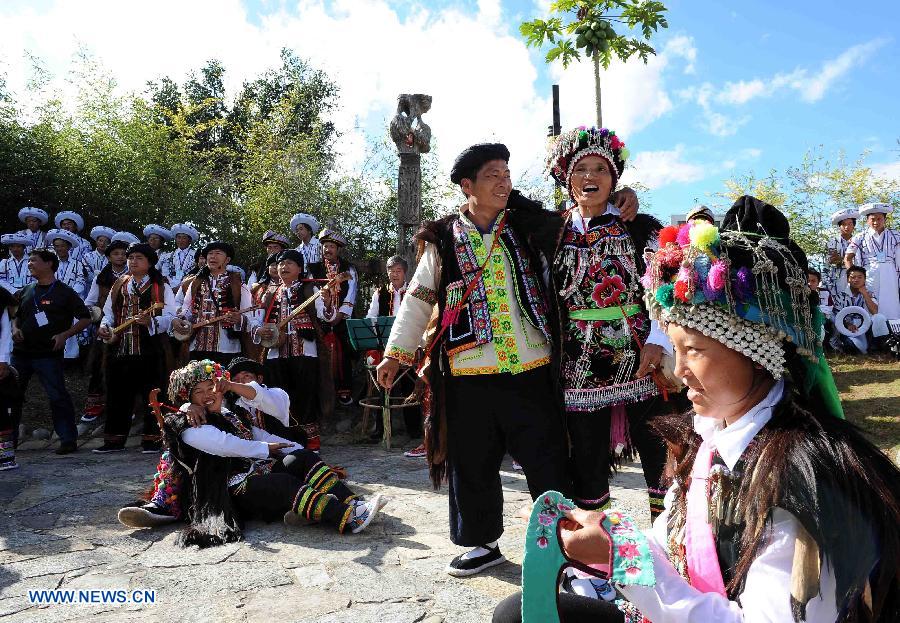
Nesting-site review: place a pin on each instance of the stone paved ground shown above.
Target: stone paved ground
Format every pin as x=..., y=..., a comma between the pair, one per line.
x=58, y=529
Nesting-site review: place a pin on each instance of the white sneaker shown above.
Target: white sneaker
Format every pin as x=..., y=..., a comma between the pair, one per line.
x=364, y=513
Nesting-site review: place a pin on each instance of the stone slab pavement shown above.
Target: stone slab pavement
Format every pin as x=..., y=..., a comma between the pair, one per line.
x=58, y=529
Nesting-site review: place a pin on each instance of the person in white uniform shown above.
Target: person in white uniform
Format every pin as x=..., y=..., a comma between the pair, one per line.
x=34, y=219
x=74, y=223
x=14, y=273
x=836, y=248
x=878, y=251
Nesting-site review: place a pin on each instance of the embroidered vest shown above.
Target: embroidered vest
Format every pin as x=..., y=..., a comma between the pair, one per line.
x=279, y=303
x=126, y=305
x=209, y=302
x=459, y=267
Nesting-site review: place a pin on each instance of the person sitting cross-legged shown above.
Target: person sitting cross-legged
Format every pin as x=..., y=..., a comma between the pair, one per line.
x=239, y=471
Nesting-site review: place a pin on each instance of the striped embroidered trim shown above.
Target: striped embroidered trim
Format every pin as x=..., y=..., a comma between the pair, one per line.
x=525, y=367
x=345, y=518
x=321, y=477
x=402, y=355
x=424, y=294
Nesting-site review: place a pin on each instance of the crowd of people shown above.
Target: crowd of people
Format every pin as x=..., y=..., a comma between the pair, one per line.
x=572, y=339
x=860, y=296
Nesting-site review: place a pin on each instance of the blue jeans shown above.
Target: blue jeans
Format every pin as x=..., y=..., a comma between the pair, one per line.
x=50, y=371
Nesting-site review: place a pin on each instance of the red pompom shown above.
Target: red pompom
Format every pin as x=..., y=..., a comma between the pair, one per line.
x=681, y=291
x=668, y=235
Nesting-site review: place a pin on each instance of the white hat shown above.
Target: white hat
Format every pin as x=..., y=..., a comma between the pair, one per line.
x=187, y=230
x=72, y=216
x=8, y=239
x=126, y=237
x=875, y=208
x=273, y=236
x=307, y=219
x=63, y=234
x=102, y=230
x=844, y=214
x=37, y=213
x=159, y=230
x=236, y=269
x=330, y=235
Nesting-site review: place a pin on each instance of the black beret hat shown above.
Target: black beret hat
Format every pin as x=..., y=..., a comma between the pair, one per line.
x=115, y=244
x=293, y=255
x=474, y=157
x=218, y=245
x=144, y=249
x=243, y=364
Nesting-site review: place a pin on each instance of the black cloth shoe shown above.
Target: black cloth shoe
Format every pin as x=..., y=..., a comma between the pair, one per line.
x=460, y=568
x=147, y=515
x=67, y=447
x=107, y=447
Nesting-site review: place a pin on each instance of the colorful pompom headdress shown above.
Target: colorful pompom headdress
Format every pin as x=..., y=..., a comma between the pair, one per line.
x=183, y=380
x=572, y=146
x=743, y=285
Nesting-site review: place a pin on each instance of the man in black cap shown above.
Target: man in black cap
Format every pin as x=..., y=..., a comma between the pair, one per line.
x=215, y=293
x=136, y=354
x=115, y=267
x=292, y=362
x=493, y=386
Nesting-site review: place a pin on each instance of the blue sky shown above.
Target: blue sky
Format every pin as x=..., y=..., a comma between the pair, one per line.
x=735, y=87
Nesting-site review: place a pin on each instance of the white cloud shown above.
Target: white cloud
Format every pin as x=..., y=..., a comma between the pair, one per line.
x=887, y=170
x=633, y=95
x=655, y=169
x=810, y=86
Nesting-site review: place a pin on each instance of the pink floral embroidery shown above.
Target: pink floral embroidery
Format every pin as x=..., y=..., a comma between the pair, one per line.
x=545, y=519
x=608, y=291
x=628, y=550
x=542, y=542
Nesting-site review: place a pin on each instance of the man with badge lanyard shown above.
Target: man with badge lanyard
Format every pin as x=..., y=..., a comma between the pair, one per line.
x=14, y=273
x=97, y=259
x=73, y=223
x=175, y=265
x=42, y=326
x=214, y=292
x=878, y=251
x=34, y=219
x=836, y=249
x=71, y=272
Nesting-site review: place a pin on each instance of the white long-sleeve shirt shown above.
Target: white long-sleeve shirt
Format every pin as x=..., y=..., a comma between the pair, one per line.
x=766, y=595
x=6, y=342
x=209, y=439
x=310, y=349
x=160, y=324
x=227, y=344
x=396, y=295
x=272, y=401
x=14, y=274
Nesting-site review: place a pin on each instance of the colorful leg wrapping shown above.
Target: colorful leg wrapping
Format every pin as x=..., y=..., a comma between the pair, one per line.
x=599, y=504
x=318, y=506
x=167, y=486
x=656, y=502
x=324, y=479
x=7, y=448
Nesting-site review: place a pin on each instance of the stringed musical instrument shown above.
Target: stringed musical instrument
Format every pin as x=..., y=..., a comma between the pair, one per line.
x=115, y=331
x=182, y=330
x=278, y=336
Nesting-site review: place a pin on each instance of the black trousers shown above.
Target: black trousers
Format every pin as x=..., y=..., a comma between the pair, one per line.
x=589, y=434
x=299, y=377
x=343, y=382
x=487, y=415
x=571, y=608
x=127, y=378
x=268, y=497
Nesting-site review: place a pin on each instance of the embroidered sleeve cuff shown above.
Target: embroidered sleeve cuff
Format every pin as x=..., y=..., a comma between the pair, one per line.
x=422, y=293
x=402, y=355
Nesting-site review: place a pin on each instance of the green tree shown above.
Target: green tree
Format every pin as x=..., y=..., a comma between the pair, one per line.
x=576, y=27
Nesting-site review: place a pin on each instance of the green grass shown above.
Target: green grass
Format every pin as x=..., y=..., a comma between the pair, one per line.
x=870, y=392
